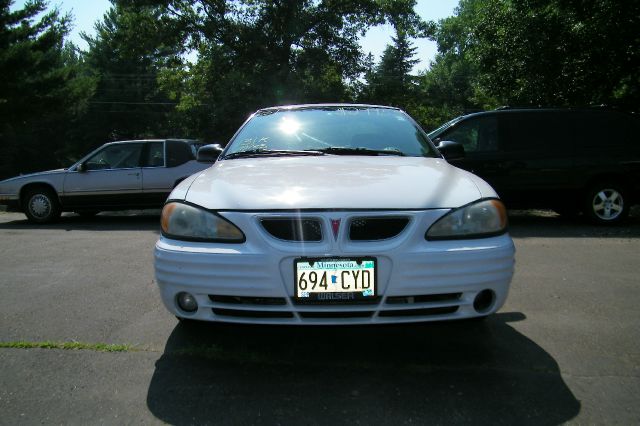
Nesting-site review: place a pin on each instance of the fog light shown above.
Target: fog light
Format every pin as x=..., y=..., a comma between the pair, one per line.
x=187, y=302
x=484, y=301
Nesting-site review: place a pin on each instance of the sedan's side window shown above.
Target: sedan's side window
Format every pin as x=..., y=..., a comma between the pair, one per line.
x=118, y=156
x=155, y=155
x=178, y=153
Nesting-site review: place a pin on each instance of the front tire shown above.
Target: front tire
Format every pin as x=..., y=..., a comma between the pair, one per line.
x=607, y=204
x=41, y=205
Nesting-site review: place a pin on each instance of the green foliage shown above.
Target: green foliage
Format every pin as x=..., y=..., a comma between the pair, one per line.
x=451, y=86
x=125, y=57
x=257, y=53
x=390, y=82
x=40, y=90
x=198, y=68
x=575, y=52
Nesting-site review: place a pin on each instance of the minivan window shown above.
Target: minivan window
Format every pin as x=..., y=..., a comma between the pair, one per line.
x=602, y=129
x=537, y=131
x=475, y=134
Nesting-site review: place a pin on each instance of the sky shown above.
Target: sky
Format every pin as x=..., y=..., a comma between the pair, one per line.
x=87, y=12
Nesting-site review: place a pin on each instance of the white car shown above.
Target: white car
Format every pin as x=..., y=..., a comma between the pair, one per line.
x=119, y=175
x=333, y=214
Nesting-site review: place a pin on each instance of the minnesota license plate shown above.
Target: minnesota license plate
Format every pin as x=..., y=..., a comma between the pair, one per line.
x=335, y=279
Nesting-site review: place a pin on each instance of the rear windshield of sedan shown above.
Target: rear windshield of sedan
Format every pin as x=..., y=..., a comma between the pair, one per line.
x=379, y=129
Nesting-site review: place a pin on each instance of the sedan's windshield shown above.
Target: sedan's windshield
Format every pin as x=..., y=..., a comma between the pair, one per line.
x=336, y=130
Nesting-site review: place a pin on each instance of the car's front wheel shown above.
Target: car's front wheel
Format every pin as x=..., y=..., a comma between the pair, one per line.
x=41, y=205
x=606, y=204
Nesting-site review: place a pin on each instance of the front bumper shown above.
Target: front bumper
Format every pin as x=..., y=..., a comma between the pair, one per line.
x=253, y=282
x=11, y=202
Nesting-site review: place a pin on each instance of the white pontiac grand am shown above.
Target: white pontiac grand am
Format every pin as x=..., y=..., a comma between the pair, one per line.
x=333, y=214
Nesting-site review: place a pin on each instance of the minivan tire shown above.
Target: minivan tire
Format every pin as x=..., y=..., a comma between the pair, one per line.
x=606, y=204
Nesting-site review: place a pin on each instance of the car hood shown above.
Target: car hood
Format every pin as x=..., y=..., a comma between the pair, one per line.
x=30, y=175
x=332, y=182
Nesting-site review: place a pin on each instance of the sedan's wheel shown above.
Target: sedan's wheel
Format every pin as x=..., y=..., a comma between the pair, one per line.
x=41, y=206
x=605, y=204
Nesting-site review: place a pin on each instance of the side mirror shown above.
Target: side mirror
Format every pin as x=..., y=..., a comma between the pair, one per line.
x=451, y=150
x=81, y=168
x=209, y=153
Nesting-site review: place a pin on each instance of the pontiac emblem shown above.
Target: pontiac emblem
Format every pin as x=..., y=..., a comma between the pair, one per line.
x=335, y=226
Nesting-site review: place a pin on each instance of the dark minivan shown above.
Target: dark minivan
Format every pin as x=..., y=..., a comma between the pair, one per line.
x=570, y=160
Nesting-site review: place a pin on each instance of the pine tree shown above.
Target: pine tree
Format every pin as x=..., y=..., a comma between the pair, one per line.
x=392, y=82
x=39, y=94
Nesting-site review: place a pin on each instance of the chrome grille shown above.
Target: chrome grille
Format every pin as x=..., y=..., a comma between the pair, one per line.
x=293, y=229
x=376, y=228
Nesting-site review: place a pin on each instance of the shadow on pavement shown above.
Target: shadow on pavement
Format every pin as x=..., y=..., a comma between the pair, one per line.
x=546, y=224
x=107, y=221
x=438, y=373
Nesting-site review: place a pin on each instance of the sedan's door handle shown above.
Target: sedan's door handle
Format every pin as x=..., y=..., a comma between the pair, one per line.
x=133, y=174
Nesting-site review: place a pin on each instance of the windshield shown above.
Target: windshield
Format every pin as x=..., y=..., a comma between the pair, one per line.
x=331, y=130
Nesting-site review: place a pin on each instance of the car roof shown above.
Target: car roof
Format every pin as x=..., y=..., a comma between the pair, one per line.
x=325, y=105
x=511, y=110
x=153, y=140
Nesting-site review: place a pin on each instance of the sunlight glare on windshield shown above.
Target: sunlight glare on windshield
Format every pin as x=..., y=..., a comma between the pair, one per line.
x=289, y=125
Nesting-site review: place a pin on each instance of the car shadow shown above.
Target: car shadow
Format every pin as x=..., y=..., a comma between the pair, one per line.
x=435, y=373
x=138, y=220
x=547, y=224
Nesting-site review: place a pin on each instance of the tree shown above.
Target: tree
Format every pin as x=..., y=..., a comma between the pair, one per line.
x=451, y=86
x=125, y=57
x=391, y=83
x=534, y=52
x=257, y=53
x=40, y=90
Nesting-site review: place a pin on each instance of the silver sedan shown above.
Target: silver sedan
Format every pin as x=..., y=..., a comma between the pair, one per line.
x=119, y=175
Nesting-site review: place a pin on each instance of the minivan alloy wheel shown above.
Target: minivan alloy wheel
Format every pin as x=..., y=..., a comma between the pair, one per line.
x=607, y=204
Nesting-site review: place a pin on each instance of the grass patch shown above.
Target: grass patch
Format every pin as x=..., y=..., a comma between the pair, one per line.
x=69, y=346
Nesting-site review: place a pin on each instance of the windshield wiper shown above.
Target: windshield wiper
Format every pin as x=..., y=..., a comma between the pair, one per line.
x=270, y=153
x=360, y=151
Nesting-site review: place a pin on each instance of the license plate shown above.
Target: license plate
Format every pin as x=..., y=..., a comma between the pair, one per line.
x=335, y=279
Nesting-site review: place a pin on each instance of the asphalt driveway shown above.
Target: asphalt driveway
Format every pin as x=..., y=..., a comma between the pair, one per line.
x=565, y=347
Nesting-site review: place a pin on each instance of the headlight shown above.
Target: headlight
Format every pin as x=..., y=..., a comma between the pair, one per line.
x=480, y=219
x=186, y=222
